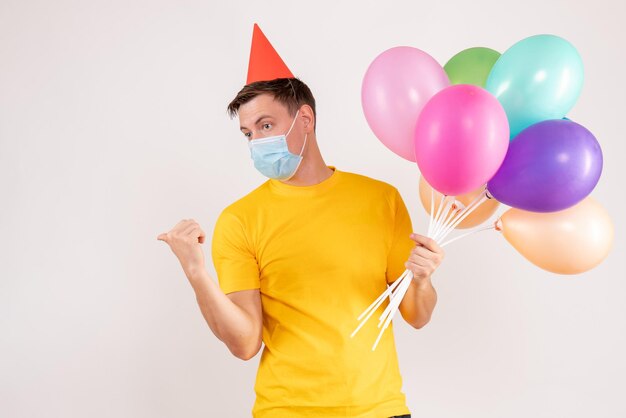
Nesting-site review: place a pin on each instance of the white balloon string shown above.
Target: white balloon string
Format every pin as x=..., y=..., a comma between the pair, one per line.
x=439, y=208
x=444, y=216
x=439, y=219
x=462, y=218
x=473, y=204
x=465, y=215
x=395, y=302
x=382, y=296
x=374, y=306
x=432, y=210
x=448, y=215
x=447, y=218
x=450, y=241
x=395, y=295
x=390, y=289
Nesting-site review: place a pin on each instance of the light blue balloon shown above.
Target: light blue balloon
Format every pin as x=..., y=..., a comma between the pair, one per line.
x=538, y=78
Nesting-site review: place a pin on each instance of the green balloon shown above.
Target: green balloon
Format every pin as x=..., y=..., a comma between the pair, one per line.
x=471, y=66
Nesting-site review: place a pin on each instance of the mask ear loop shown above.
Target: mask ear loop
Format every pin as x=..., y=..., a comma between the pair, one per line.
x=303, y=145
x=292, y=123
x=295, y=96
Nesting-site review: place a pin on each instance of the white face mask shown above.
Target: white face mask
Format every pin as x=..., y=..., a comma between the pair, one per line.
x=272, y=157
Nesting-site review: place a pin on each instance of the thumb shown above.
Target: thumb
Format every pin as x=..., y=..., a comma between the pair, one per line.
x=162, y=237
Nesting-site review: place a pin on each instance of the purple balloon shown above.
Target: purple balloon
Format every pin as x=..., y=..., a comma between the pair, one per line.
x=549, y=166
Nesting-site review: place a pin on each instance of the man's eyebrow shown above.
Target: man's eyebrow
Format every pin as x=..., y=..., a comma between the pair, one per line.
x=241, y=128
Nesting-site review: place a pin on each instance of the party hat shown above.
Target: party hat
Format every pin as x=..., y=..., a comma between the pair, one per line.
x=265, y=64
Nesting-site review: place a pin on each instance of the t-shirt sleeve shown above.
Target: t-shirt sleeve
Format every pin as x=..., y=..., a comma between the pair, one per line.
x=401, y=242
x=233, y=256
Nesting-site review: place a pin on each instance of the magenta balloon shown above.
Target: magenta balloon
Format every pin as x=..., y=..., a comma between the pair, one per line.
x=461, y=139
x=395, y=88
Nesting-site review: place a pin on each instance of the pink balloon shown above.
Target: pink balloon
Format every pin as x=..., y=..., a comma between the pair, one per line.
x=395, y=88
x=461, y=139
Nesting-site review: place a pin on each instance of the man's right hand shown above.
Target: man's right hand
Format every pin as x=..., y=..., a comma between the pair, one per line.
x=236, y=318
x=184, y=240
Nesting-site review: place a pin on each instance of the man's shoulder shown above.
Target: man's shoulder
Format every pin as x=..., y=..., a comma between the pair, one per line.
x=369, y=183
x=248, y=202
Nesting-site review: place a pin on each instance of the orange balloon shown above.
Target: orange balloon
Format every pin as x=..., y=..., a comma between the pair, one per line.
x=569, y=241
x=478, y=216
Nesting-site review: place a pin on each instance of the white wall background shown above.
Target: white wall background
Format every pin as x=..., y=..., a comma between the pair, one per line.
x=113, y=128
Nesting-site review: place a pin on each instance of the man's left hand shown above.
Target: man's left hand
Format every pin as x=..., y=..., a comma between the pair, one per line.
x=424, y=258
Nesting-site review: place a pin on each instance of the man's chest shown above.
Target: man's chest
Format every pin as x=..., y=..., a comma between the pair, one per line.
x=317, y=245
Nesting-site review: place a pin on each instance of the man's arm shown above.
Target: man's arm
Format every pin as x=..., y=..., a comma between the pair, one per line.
x=235, y=318
x=418, y=303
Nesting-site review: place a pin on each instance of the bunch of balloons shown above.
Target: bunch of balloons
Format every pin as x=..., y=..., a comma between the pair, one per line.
x=490, y=128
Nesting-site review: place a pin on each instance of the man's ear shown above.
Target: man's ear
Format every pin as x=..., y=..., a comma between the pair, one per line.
x=309, y=118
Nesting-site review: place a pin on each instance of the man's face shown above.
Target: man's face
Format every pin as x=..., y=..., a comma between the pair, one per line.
x=264, y=116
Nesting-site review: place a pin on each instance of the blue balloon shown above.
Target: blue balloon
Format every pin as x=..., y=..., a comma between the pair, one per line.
x=549, y=166
x=538, y=78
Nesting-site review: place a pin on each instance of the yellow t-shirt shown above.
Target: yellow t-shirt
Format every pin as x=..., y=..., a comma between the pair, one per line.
x=320, y=255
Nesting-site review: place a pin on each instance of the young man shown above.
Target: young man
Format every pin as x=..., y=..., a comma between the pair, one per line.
x=300, y=257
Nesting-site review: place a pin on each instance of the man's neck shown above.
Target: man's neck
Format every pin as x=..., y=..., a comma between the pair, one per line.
x=310, y=174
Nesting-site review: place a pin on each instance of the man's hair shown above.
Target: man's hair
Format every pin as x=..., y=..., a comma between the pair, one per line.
x=291, y=92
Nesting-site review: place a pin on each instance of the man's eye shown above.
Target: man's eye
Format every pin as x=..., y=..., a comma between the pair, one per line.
x=266, y=124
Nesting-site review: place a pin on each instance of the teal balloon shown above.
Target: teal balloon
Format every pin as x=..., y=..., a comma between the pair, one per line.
x=471, y=66
x=538, y=78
